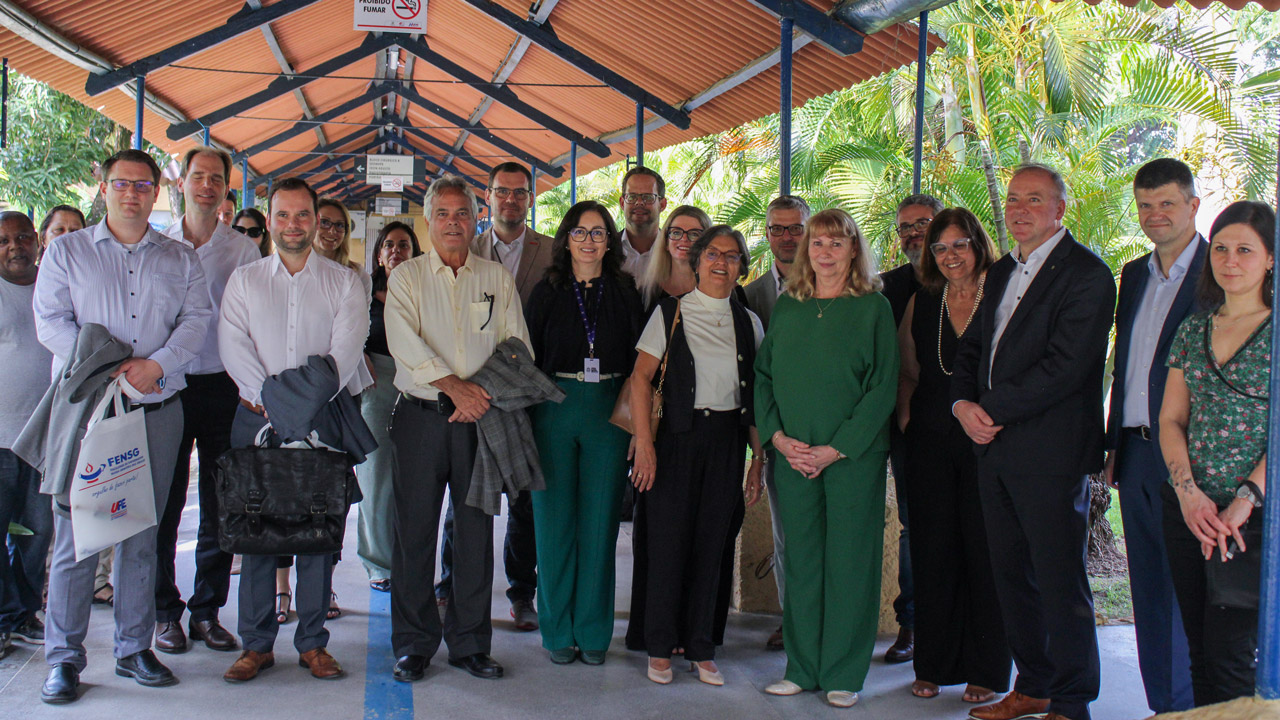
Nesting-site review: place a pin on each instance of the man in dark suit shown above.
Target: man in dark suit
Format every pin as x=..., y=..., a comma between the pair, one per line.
x=526, y=254
x=1157, y=292
x=1028, y=390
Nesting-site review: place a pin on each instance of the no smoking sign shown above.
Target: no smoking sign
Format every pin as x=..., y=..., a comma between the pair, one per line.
x=403, y=16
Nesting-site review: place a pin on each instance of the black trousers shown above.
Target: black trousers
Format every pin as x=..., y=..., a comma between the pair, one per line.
x=208, y=406
x=435, y=456
x=1037, y=529
x=904, y=605
x=1223, y=642
x=960, y=634
x=519, y=551
x=688, y=516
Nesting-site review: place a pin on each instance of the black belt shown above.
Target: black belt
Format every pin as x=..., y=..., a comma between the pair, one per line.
x=150, y=407
x=1142, y=431
x=443, y=406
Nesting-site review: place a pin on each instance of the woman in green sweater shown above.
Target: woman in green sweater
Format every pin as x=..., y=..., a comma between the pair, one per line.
x=826, y=379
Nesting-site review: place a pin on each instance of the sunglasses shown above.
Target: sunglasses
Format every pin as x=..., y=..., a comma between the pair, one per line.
x=253, y=232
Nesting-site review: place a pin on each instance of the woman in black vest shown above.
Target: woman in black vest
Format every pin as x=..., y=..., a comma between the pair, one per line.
x=690, y=475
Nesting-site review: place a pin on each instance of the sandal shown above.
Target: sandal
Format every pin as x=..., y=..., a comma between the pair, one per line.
x=381, y=585
x=282, y=607
x=334, y=612
x=924, y=689
x=978, y=694
x=104, y=595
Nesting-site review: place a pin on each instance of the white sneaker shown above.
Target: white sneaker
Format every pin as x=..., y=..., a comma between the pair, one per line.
x=842, y=698
x=784, y=687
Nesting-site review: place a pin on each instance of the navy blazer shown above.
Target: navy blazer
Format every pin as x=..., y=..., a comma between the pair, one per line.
x=1046, y=376
x=1133, y=283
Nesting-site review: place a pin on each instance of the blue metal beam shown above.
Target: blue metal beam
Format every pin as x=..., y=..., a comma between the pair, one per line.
x=639, y=134
x=828, y=31
x=1268, y=677
x=411, y=130
x=573, y=174
x=246, y=190
x=375, y=91
x=503, y=95
x=282, y=85
x=784, y=108
x=137, y=117
x=242, y=22
x=533, y=199
x=543, y=37
x=921, y=62
x=333, y=147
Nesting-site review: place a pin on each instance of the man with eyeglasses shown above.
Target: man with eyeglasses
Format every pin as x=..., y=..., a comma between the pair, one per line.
x=149, y=292
x=446, y=312
x=642, y=202
x=915, y=212
x=784, y=221
x=525, y=253
x=208, y=406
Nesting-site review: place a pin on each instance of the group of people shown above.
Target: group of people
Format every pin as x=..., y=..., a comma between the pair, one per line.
x=981, y=378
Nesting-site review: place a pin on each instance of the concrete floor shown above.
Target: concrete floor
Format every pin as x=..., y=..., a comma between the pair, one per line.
x=533, y=687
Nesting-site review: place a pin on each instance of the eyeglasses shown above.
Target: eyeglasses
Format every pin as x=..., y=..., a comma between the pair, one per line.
x=675, y=234
x=792, y=230
x=580, y=235
x=640, y=198
x=919, y=226
x=733, y=258
x=140, y=186
x=940, y=248
x=327, y=224
x=253, y=232
x=503, y=193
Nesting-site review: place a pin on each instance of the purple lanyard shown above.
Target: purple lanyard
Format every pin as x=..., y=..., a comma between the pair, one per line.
x=587, y=324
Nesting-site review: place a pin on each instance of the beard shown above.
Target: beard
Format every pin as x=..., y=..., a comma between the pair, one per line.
x=915, y=256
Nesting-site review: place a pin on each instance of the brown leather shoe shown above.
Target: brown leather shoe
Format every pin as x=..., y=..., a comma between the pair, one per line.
x=321, y=664
x=775, y=640
x=215, y=636
x=248, y=665
x=903, y=649
x=1014, y=706
x=170, y=638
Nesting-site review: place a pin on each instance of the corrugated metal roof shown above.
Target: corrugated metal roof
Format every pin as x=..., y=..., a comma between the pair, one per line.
x=673, y=49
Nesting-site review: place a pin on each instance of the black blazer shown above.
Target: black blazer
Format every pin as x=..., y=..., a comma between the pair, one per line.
x=1046, y=377
x=1133, y=283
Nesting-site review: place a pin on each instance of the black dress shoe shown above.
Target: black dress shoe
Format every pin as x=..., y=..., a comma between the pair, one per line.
x=60, y=687
x=479, y=665
x=410, y=668
x=903, y=649
x=215, y=636
x=146, y=669
x=169, y=637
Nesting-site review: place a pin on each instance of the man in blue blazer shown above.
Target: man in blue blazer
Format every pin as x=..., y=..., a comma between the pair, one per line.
x=1157, y=292
x=1027, y=388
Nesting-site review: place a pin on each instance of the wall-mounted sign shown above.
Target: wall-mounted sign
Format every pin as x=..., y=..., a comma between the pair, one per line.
x=398, y=16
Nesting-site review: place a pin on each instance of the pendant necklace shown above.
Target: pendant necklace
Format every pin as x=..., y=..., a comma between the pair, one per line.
x=946, y=312
x=821, y=309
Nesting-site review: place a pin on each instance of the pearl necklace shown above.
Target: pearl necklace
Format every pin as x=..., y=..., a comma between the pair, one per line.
x=946, y=311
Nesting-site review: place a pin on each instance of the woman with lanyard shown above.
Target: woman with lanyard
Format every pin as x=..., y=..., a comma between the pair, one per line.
x=583, y=318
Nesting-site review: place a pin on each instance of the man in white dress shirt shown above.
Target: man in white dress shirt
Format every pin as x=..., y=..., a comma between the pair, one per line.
x=644, y=197
x=208, y=405
x=149, y=292
x=276, y=313
x=446, y=312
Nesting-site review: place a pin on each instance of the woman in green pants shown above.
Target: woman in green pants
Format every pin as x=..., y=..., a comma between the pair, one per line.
x=826, y=380
x=583, y=318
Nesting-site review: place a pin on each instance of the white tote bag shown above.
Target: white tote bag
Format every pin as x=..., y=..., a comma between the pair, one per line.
x=112, y=498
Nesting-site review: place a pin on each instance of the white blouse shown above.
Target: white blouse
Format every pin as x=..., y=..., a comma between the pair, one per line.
x=708, y=328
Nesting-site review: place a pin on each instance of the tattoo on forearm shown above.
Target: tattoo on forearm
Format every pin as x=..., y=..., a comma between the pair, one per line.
x=1180, y=473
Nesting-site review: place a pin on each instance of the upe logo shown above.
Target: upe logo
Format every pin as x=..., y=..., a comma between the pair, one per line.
x=118, y=509
x=90, y=474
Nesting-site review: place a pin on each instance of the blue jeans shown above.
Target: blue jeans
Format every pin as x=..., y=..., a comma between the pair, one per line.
x=22, y=567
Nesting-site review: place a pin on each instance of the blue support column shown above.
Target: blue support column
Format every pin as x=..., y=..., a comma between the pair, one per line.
x=247, y=198
x=1268, y=677
x=206, y=135
x=573, y=174
x=4, y=109
x=137, y=117
x=784, y=108
x=921, y=60
x=533, y=199
x=639, y=134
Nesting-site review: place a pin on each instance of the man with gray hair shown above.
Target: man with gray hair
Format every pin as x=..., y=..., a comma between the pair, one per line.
x=784, y=221
x=446, y=312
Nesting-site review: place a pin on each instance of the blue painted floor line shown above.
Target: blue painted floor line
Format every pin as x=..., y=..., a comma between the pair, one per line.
x=384, y=698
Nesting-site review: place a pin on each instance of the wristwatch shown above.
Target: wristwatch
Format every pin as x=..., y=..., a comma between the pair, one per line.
x=1249, y=491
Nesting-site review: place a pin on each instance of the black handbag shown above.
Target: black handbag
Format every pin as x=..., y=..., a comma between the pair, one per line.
x=1236, y=582
x=283, y=501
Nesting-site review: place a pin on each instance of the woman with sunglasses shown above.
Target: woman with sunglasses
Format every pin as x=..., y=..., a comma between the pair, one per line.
x=959, y=633
x=668, y=272
x=583, y=318
x=253, y=224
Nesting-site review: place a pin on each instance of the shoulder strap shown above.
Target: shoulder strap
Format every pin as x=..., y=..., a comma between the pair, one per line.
x=662, y=374
x=1213, y=361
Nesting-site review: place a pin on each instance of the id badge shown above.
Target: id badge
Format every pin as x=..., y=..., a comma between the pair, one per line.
x=591, y=370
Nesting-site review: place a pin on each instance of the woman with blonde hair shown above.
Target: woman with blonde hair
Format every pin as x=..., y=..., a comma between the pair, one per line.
x=333, y=238
x=668, y=273
x=826, y=382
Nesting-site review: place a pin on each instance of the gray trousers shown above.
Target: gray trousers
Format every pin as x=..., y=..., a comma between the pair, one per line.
x=772, y=458
x=257, y=624
x=375, y=528
x=71, y=582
